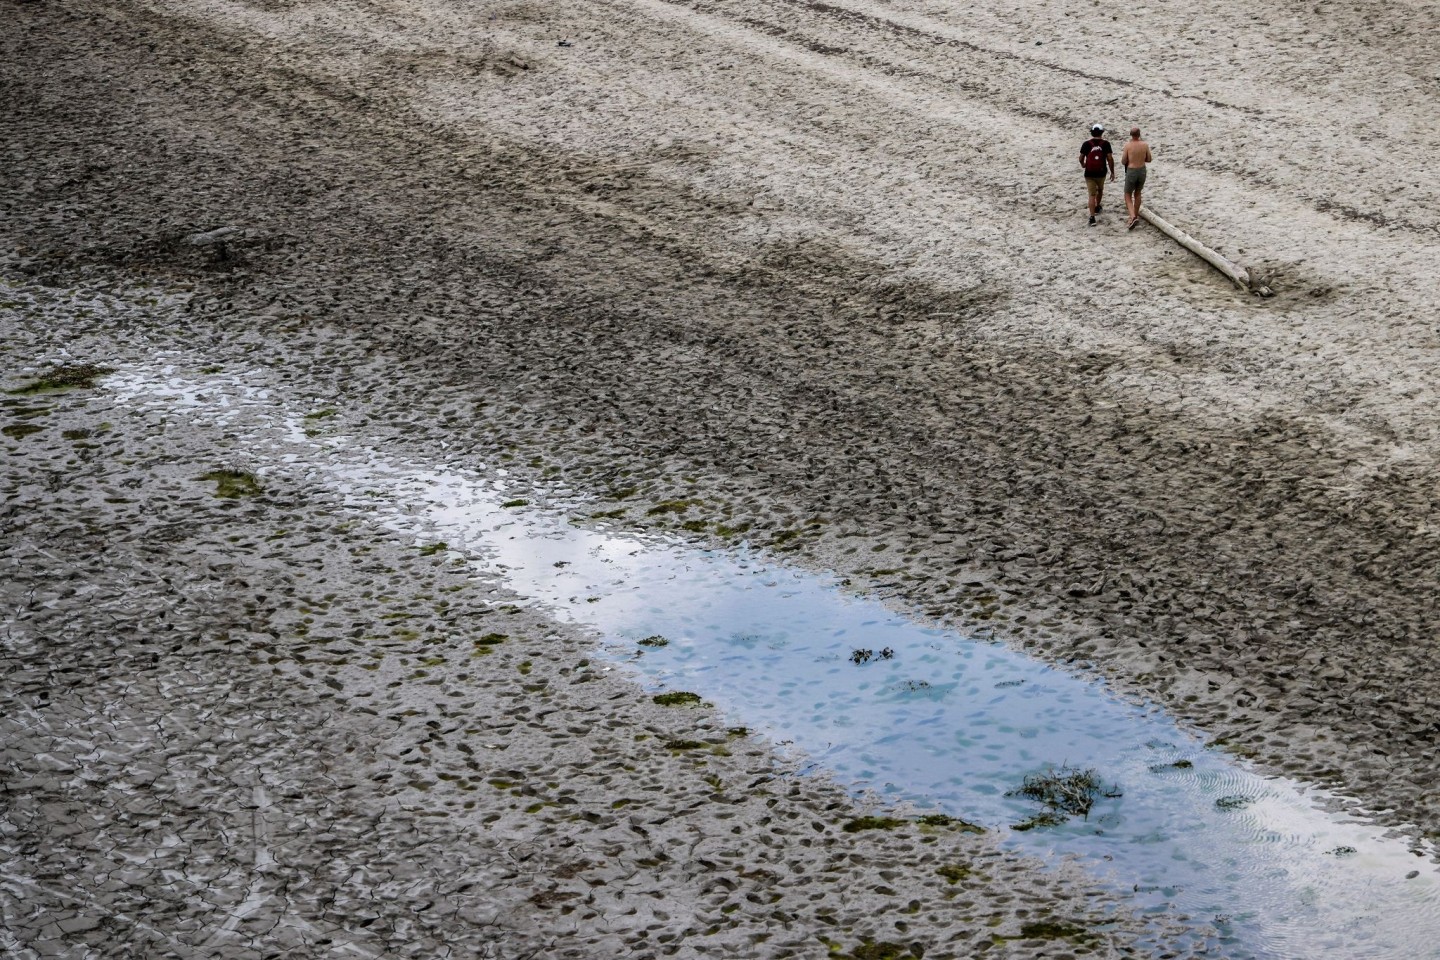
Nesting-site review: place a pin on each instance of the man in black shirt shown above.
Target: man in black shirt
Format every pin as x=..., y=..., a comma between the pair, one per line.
x=1095, y=156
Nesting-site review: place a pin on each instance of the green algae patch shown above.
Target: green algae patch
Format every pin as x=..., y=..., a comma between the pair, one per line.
x=670, y=506
x=19, y=431
x=954, y=872
x=1046, y=819
x=491, y=639
x=873, y=823
x=233, y=484
x=325, y=414
x=1050, y=930
x=429, y=550
x=685, y=744
x=948, y=822
x=783, y=537
x=1231, y=745
x=80, y=376
x=876, y=950
x=515, y=503
x=678, y=698
x=655, y=641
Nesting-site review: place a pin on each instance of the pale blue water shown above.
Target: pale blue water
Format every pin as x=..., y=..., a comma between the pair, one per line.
x=956, y=724
x=948, y=722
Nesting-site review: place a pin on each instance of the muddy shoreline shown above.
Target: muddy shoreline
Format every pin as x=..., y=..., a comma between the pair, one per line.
x=1222, y=505
x=241, y=715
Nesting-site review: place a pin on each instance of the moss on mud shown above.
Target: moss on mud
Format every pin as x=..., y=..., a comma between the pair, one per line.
x=873, y=823
x=1049, y=930
x=678, y=698
x=954, y=872
x=952, y=823
x=670, y=506
x=877, y=950
x=1046, y=819
x=19, y=431
x=67, y=377
x=233, y=484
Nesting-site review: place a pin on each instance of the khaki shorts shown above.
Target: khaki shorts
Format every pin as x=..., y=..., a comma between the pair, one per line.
x=1094, y=186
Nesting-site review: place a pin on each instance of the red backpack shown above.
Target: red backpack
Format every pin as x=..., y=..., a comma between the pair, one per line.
x=1094, y=155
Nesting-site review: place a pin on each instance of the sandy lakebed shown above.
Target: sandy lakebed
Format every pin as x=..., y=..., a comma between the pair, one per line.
x=812, y=277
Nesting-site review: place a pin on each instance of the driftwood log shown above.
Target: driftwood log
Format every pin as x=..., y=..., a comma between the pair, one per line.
x=1238, y=275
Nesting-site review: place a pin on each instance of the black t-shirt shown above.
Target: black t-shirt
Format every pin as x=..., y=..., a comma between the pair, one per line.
x=1104, y=145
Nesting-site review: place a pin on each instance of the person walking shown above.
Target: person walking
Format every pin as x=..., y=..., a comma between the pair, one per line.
x=1096, y=155
x=1133, y=158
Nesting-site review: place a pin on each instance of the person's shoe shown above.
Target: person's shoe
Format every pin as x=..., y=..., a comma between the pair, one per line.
x=1098, y=208
x=1092, y=219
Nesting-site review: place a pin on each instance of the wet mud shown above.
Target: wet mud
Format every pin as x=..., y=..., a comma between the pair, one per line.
x=688, y=259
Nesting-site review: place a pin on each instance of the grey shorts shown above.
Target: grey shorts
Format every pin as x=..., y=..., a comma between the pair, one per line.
x=1135, y=178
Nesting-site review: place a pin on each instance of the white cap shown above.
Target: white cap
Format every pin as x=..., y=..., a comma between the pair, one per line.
x=1097, y=128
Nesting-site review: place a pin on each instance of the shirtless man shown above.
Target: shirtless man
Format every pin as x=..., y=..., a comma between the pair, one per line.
x=1133, y=158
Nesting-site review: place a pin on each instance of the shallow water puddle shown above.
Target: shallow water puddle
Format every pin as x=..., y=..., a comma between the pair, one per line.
x=930, y=716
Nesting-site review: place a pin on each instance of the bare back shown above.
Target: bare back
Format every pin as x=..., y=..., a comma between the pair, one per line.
x=1135, y=155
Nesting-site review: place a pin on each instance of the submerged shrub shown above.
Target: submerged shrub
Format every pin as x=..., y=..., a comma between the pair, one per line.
x=1067, y=791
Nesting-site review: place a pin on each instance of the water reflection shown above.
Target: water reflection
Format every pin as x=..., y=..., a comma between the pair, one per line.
x=958, y=724
x=945, y=721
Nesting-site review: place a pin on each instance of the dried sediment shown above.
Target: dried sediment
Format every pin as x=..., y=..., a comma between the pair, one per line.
x=241, y=720
x=788, y=300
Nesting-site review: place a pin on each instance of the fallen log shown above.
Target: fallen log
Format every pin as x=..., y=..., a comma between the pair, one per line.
x=1238, y=275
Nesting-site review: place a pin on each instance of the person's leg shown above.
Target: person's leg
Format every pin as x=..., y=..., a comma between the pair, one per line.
x=1094, y=196
x=1130, y=202
x=1137, y=188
